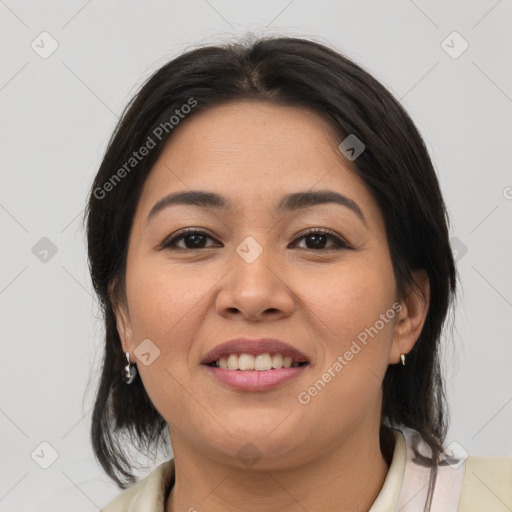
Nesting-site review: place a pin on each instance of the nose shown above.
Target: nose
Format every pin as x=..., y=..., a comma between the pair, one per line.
x=254, y=290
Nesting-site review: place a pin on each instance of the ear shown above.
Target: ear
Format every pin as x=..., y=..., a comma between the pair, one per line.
x=411, y=318
x=122, y=314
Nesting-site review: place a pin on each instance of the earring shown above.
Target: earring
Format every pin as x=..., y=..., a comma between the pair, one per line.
x=402, y=357
x=129, y=371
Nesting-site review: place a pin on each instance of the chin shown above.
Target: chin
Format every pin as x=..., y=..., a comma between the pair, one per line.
x=259, y=448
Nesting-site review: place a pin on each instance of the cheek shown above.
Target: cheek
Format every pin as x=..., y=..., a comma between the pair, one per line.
x=349, y=297
x=164, y=308
x=353, y=309
x=354, y=352
x=162, y=297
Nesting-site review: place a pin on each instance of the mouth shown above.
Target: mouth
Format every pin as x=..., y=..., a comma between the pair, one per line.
x=262, y=354
x=254, y=365
x=260, y=362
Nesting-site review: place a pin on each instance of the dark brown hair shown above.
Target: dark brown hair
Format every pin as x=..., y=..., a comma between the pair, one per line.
x=395, y=166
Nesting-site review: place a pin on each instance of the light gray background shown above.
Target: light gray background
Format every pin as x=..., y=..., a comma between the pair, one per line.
x=57, y=114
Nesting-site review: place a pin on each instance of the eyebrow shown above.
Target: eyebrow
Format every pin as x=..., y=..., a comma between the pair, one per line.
x=290, y=202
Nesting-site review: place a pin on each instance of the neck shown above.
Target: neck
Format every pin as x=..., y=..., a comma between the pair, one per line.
x=346, y=477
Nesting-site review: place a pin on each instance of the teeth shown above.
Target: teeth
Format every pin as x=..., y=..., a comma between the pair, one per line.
x=245, y=362
x=277, y=361
x=233, y=362
x=261, y=362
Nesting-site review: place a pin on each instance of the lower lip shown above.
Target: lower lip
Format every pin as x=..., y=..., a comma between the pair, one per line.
x=254, y=380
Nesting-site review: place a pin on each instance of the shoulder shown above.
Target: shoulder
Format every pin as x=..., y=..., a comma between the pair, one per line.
x=472, y=484
x=148, y=495
x=487, y=485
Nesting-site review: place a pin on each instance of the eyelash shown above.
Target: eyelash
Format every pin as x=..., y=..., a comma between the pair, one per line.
x=170, y=243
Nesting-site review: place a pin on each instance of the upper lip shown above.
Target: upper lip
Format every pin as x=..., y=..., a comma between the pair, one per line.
x=255, y=347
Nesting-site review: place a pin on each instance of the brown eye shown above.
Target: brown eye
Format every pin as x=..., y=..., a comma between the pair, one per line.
x=192, y=239
x=318, y=239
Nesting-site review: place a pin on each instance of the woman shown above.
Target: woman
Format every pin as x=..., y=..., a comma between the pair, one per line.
x=269, y=243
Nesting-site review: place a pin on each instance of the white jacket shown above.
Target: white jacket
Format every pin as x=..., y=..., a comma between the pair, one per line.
x=472, y=484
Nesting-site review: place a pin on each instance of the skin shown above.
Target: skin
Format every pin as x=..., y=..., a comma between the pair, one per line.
x=321, y=456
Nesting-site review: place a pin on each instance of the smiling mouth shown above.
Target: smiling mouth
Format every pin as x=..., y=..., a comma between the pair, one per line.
x=260, y=362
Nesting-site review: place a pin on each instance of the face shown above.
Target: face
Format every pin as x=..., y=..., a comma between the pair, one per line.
x=254, y=270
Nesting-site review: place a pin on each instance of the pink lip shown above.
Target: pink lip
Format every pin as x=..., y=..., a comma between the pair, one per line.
x=254, y=347
x=254, y=380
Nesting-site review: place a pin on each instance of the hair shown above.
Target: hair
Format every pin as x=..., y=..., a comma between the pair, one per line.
x=395, y=167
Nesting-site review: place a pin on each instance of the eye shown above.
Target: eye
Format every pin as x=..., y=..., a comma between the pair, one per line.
x=196, y=239
x=319, y=237
x=192, y=238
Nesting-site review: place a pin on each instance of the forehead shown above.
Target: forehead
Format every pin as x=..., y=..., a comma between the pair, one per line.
x=253, y=152
x=281, y=134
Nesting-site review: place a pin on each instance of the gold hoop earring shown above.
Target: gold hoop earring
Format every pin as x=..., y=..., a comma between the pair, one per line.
x=402, y=357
